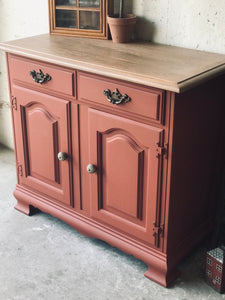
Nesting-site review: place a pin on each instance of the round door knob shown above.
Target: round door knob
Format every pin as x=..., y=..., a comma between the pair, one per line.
x=91, y=168
x=62, y=156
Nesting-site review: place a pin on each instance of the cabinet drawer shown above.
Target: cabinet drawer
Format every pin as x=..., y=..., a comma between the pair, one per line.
x=62, y=79
x=145, y=102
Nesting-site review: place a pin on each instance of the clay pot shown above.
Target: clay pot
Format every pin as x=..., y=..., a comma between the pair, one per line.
x=121, y=28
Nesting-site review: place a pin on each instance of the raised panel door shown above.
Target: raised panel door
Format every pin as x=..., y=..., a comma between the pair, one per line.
x=41, y=131
x=125, y=189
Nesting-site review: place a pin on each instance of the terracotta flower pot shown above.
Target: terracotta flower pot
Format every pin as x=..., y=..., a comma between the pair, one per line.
x=121, y=28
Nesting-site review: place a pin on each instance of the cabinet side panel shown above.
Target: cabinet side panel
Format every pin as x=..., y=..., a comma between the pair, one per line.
x=12, y=113
x=194, y=174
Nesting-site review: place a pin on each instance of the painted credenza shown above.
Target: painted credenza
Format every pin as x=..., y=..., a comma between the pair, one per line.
x=124, y=142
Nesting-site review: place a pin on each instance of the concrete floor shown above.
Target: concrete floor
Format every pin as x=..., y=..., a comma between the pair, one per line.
x=43, y=258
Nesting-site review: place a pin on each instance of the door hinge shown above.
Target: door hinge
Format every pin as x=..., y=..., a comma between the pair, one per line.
x=20, y=170
x=14, y=103
x=158, y=232
x=162, y=151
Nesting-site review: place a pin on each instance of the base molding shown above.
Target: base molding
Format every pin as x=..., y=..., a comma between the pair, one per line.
x=161, y=274
x=161, y=268
x=22, y=207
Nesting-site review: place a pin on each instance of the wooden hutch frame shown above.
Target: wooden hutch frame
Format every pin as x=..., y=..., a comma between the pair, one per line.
x=106, y=6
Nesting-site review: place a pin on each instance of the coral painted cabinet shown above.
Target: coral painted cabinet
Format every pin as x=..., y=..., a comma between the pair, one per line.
x=41, y=131
x=124, y=188
x=137, y=128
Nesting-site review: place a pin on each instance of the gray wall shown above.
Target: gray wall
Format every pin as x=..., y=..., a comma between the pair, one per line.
x=18, y=18
x=196, y=24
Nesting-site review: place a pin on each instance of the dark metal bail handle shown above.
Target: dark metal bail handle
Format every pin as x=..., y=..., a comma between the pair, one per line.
x=39, y=76
x=115, y=97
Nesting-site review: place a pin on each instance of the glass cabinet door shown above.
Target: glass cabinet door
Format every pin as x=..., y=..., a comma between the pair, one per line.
x=66, y=18
x=79, y=16
x=89, y=3
x=84, y=18
x=89, y=20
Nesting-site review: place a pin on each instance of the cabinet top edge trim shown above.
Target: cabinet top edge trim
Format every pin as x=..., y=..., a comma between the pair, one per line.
x=166, y=67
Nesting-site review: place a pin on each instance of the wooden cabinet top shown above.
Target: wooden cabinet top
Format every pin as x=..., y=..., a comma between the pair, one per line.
x=166, y=67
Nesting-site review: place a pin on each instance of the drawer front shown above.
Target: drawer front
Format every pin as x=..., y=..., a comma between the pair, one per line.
x=145, y=102
x=62, y=79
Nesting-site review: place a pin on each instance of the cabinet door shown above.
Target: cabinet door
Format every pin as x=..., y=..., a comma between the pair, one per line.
x=41, y=125
x=125, y=189
x=86, y=18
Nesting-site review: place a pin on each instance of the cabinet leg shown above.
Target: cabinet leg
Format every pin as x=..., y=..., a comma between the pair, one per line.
x=22, y=204
x=161, y=274
x=25, y=208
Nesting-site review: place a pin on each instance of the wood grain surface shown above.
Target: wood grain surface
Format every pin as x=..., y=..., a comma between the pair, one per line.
x=166, y=67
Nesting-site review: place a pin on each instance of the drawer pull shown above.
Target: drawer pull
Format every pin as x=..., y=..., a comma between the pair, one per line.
x=39, y=76
x=115, y=97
